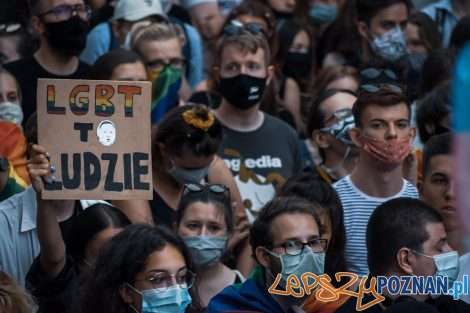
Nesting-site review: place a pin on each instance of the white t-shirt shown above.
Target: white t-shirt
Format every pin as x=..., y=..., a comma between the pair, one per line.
x=358, y=207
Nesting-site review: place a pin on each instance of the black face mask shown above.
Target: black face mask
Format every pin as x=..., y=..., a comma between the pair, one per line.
x=242, y=91
x=297, y=65
x=69, y=36
x=439, y=129
x=282, y=15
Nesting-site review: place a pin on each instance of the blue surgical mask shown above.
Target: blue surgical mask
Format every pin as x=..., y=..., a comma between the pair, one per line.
x=323, y=13
x=447, y=265
x=206, y=250
x=188, y=176
x=11, y=112
x=173, y=299
x=390, y=45
x=305, y=262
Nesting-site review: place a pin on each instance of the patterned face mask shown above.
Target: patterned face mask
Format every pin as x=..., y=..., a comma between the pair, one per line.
x=165, y=87
x=388, y=154
x=390, y=45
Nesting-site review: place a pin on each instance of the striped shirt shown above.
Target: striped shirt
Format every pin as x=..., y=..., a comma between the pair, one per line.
x=357, y=208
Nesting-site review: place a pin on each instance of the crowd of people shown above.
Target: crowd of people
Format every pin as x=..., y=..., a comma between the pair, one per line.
x=358, y=177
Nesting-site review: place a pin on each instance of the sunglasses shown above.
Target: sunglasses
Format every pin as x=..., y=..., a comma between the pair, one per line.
x=374, y=72
x=236, y=27
x=339, y=115
x=376, y=87
x=217, y=189
x=9, y=28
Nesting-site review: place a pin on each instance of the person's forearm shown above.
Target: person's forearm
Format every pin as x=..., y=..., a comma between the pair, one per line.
x=53, y=251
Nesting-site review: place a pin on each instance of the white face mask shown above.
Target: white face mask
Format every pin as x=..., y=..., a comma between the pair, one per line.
x=11, y=112
x=390, y=45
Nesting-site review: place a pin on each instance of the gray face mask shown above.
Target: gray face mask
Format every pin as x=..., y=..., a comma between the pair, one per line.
x=206, y=250
x=188, y=176
x=390, y=45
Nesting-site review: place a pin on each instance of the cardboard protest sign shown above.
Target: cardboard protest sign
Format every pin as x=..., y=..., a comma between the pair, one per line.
x=98, y=136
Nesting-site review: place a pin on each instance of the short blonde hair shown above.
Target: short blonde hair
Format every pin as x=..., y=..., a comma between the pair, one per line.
x=144, y=32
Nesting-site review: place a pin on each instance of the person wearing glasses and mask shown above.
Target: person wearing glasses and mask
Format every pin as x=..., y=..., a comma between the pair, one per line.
x=204, y=221
x=384, y=136
x=143, y=269
x=159, y=47
x=285, y=239
x=261, y=150
x=329, y=121
x=406, y=237
x=62, y=29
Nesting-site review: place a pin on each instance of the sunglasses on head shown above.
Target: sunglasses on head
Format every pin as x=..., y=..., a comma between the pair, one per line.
x=374, y=72
x=376, y=87
x=236, y=28
x=217, y=189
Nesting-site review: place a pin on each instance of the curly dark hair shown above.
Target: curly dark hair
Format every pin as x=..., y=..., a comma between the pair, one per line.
x=120, y=259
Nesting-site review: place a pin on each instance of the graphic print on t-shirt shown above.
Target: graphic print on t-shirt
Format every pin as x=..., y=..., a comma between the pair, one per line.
x=258, y=179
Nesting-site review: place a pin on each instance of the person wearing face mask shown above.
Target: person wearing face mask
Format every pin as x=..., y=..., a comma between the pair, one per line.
x=184, y=146
x=159, y=47
x=323, y=12
x=286, y=240
x=329, y=121
x=13, y=174
x=260, y=150
x=62, y=28
x=205, y=221
x=295, y=57
x=381, y=25
x=143, y=269
x=383, y=134
x=395, y=248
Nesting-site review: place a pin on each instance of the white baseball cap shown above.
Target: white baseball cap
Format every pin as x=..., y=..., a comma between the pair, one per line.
x=134, y=10
x=187, y=4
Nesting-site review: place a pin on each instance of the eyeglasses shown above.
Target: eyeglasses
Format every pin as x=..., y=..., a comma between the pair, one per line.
x=163, y=281
x=376, y=87
x=339, y=115
x=236, y=28
x=64, y=12
x=373, y=73
x=159, y=65
x=297, y=247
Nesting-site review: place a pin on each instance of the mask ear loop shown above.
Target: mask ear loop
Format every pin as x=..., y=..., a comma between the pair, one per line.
x=130, y=304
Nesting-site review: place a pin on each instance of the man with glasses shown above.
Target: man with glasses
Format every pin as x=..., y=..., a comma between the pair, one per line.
x=285, y=239
x=406, y=237
x=383, y=134
x=260, y=150
x=329, y=121
x=62, y=28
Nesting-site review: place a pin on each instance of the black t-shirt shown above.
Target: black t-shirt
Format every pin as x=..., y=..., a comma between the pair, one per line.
x=162, y=213
x=261, y=160
x=27, y=71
